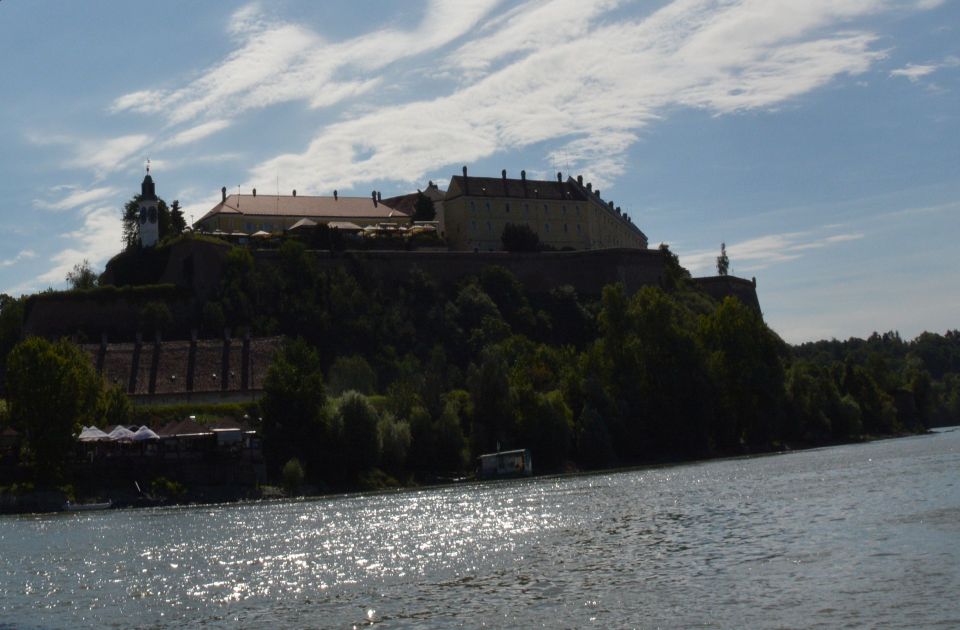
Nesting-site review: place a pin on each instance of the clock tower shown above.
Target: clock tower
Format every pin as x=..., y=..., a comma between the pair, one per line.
x=149, y=228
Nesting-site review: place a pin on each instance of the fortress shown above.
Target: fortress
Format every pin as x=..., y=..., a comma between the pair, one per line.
x=590, y=243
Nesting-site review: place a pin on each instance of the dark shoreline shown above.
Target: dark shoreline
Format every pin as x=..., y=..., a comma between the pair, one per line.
x=39, y=502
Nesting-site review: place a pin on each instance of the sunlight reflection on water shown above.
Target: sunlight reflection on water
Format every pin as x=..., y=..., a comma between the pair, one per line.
x=857, y=534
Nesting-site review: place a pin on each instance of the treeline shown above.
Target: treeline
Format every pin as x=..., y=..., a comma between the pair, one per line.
x=414, y=379
x=418, y=378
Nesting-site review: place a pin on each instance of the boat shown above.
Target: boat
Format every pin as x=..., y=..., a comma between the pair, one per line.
x=86, y=507
x=515, y=463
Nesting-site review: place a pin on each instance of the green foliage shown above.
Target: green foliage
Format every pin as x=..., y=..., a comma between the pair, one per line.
x=155, y=316
x=723, y=261
x=519, y=237
x=395, y=439
x=360, y=439
x=82, y=276
x=351, y=373
x=167, y=489
x=292, y=475
x=114, y=407
x=294, y=421
x=52, y=390
x=423, y=209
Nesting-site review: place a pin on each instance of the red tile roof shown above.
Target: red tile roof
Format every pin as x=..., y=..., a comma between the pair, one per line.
x=327, y=208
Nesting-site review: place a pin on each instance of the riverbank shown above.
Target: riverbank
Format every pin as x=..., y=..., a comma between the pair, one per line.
x=25, y=499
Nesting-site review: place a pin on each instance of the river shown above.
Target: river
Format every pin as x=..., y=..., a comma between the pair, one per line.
x=864, y=535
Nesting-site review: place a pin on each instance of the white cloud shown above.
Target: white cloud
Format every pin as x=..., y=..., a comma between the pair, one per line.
x=761, y=252
x=21, y=255
x=915, y=72
x=195, y=133
x=96, y=240
x=279, y=62
x=595, y=89
x=76, y=199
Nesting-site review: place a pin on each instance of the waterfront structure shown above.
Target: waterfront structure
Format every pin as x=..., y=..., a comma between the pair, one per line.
x=564, y=214
x=248, y=214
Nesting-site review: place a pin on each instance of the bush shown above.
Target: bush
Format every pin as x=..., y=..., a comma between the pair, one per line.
x=519, y=238
x=293, y=475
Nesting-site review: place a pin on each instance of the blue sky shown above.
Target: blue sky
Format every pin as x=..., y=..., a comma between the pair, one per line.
x=819, y=139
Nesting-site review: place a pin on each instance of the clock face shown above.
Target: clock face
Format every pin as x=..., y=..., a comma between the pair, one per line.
x=152, y=214
x=143, y=214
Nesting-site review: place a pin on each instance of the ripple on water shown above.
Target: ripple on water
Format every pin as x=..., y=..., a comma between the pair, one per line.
x=861, y=535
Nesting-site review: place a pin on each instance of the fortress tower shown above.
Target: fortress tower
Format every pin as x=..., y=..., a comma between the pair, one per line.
x=149, y=228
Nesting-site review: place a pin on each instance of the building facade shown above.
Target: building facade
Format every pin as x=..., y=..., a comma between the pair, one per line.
x=564, y=214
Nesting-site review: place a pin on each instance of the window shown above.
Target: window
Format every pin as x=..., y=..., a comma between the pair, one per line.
x=546, y=228
x=578, y=228
x=564, y=228
x=546, y=209
x=489, y=228
x=563, y=209
x=488, y=206
x=526, y=209
x=473, y=226
x=506, y=206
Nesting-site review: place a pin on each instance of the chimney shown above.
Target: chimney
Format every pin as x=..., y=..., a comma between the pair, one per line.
x=609, y=203
x=523, y=175
x=379, y=196
x=580, y=179
x=335, y=195
x=294, y=192
x=464, y=172
x=560, y=177
x=503, y=174
x=589, y=187
x=598, y=193
x=619, y=211
x=374, y=195
x=223, y=193
x=254, y=192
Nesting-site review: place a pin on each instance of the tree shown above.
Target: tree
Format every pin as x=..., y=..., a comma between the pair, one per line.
x=519, y=237
x=423, y=209
x=360, y=440
x=177, y=222
x=294, y=423
x=723, y=262
x=82, y=276
x=351, y=373
x=52, y=389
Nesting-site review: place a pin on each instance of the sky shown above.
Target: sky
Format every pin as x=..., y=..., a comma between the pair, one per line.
x=818, y=139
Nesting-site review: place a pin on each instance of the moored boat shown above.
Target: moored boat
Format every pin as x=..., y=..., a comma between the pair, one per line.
x=515, y=463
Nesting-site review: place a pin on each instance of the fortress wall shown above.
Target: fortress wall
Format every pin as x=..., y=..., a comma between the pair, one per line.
x=719, y=287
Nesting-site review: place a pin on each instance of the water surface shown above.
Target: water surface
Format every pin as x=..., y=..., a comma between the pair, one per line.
x=851, y=536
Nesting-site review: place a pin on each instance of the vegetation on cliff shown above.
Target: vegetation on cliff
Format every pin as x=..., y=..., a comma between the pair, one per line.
x=415, y=379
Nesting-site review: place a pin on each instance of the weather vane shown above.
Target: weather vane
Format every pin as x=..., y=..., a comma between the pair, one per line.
x=148, y=166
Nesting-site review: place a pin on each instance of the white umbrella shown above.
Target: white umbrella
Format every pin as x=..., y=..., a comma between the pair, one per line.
x=121, y=433
x=92, y=434
x=144, y=433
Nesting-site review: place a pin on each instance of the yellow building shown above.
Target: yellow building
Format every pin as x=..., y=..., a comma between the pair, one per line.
x=564, y=214
x=247, y=214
